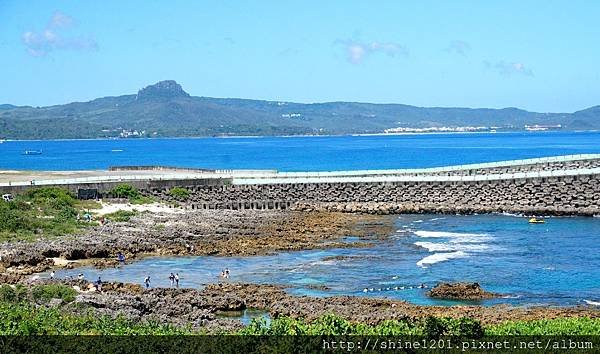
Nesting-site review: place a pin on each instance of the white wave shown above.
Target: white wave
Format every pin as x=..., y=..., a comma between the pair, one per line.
x=515, y=215
x=440, y=257
x=417, y=221
x=593, y=303
x=455, y=237
x=434, y=219
x=323, y=262
x=445, y=247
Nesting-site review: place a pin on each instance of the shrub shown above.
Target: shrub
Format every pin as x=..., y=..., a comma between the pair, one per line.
x=125, y=191
x=7, y=293
x=12, y=220
x=179, y=193
x=556, y=327
x=53, y=291
x=58, y=196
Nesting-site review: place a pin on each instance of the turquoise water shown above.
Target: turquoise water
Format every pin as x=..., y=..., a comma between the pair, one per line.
x=552, y=263
x=297, y=153
x=555, y=263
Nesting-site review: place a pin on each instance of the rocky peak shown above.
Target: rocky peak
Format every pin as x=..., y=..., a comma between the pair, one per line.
x=162, y=89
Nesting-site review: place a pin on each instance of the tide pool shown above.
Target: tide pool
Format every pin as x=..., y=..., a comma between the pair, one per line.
x=554, y=263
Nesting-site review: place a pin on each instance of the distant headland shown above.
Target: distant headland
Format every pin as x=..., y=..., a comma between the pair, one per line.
x=166, y=110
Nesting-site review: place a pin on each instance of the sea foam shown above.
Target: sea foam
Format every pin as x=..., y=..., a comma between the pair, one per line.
x=445, y=247
x=440, y=257
x=455, y=237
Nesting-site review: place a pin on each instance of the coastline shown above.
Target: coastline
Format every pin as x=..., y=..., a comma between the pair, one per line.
x=308, y=135
x=198, y=233
x=203, y=309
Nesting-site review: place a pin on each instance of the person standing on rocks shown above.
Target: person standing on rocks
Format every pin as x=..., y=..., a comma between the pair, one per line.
x=121, y=258
x=147, y=282
x=177, y=280
x=99, y=284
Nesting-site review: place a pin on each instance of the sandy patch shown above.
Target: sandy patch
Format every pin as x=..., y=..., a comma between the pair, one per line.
x=157, y=208
x=61, y=262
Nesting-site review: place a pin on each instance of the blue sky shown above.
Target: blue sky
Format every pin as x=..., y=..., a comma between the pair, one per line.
x=537, y=55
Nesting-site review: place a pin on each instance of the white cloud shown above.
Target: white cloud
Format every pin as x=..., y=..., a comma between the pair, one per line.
x=356, y=52
x=509, y=68
x=52, y=37
x=458, y=47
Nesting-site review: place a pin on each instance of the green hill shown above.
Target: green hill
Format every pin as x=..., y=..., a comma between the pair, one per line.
x=166, y=110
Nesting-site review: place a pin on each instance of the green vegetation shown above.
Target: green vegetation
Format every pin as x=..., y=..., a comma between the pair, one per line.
x=37, y=294
x=9, y=294
x=179, y=193
x=53, y=291
x=22, y=317
x=130, y=192
x=559, y=326
x=25, y=319
x=41, y=212
x=121, y=215
x=125, y=191
x=333, y=325
x=205, y=116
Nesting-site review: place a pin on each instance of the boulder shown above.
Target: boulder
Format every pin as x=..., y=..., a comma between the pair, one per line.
x=460, y=291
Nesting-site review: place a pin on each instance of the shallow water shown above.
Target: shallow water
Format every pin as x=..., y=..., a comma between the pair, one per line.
x=554, y=263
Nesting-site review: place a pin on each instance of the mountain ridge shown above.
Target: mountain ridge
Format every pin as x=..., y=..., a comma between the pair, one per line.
x=165, y=109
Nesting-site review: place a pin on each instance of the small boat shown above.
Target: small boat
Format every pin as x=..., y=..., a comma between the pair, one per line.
x=32, y=152
x=536, y=221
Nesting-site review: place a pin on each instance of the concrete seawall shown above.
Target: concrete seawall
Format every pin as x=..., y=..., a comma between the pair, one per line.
x=564, y=185
x=572, y=195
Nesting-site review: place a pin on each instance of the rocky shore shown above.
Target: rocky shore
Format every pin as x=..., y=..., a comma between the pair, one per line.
x=199, y=232
x=201, y=308
x=389, y=208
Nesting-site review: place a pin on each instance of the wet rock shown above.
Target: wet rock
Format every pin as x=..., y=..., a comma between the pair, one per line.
x=460, y=291
x=199, y=232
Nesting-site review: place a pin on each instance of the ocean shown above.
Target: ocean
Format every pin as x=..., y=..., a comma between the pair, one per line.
x=325, y=153
x=554, y=263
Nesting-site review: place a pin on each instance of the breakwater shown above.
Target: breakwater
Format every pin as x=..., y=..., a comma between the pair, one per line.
x=561, y=185
x=548, y=187
x=567, y=195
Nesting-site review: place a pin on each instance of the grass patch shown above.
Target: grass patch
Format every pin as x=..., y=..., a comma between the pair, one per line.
x=142, y=199
x=40, y=212
x=121, y=215
x=88, y=205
